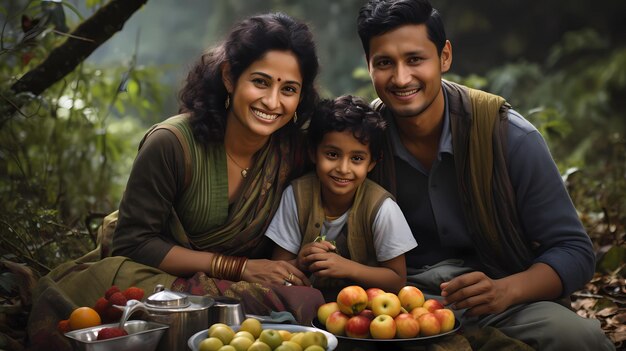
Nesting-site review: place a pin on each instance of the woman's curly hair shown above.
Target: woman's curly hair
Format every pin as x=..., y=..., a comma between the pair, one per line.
x=204, y=93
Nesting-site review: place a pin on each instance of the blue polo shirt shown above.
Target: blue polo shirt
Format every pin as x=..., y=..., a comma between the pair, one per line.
x=431, y=204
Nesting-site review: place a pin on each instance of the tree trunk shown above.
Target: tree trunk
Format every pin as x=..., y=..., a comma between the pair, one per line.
x=86, y=38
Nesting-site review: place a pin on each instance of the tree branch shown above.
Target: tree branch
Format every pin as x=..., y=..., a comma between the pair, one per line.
x=65, y=58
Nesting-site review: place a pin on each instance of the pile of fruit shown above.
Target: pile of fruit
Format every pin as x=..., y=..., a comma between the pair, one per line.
x=374, y=313
x=252, y=337
x=102, y=312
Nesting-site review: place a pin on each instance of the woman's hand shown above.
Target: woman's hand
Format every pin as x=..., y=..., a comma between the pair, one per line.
x=273, y=272
x=476, y=292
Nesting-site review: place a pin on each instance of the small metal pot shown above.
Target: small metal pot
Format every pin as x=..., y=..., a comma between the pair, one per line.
x=185, y=314
x=227, y=310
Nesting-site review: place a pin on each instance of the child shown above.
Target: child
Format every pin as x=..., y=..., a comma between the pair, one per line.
x=335, y=223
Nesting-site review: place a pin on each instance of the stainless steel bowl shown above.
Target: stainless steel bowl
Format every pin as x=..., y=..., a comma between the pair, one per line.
x=195, y=339
x=142, y=335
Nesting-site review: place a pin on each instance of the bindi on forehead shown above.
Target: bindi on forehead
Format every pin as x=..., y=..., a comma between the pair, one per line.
x=278, y=79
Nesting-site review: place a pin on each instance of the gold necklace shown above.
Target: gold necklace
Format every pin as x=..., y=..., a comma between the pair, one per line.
x=244, y=171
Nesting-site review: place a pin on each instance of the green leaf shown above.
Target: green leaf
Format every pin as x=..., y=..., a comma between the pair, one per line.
x=612, y=259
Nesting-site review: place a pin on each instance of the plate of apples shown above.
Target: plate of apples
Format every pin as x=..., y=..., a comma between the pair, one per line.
x=376, y=315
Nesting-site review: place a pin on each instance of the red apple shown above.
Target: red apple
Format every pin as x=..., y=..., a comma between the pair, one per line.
x=387, y=303
x=418, y=311
x=446, y=319
x=429, y=325
x=358, y=327
x=383, y=327
x=352, y=300
x=325, y=310
x=406, y=326
x=371, y=294
x=336, y=323
x=367, y=313
x=432, y=304
x=411, y=297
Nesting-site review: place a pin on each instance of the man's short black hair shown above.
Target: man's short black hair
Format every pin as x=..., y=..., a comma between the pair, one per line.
x=378, y=17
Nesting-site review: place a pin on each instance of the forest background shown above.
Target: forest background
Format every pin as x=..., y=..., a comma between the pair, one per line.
x=67, y=142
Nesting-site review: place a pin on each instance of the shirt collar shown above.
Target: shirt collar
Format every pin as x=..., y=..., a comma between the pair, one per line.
x=445, y=143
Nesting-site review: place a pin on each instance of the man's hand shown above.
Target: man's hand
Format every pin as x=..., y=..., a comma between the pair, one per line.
x=476, y=292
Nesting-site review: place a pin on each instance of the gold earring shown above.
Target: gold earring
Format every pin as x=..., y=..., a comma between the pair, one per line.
x=227, y=102
x=295, y=117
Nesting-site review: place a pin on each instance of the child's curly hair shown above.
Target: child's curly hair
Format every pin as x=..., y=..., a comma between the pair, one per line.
x=351, y=113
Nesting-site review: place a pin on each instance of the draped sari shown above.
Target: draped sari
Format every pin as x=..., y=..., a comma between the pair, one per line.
x=200, y=221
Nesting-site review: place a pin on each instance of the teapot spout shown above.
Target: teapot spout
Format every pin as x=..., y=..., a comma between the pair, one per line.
x=131, y=307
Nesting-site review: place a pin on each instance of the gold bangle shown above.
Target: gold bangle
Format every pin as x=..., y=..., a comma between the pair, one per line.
x=243, y=268
x=213, y=264
x=219, y=267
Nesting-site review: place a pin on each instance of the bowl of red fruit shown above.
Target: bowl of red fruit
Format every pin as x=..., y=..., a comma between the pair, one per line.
x=135, y=335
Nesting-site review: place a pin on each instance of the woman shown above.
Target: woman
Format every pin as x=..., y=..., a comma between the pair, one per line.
x=206, y=183
x=240, y=105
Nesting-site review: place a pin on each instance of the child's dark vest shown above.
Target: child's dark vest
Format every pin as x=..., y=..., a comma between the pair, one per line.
x=367, y=201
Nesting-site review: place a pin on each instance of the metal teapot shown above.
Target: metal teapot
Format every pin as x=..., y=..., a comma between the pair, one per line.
x=185, y=314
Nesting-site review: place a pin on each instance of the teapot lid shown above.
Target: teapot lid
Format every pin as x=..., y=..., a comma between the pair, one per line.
x=163, y=298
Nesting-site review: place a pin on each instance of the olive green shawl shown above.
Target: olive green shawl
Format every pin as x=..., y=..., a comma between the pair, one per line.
x=202, y=219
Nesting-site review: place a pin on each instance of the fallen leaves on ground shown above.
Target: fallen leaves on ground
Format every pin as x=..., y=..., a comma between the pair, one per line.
x=604, y=298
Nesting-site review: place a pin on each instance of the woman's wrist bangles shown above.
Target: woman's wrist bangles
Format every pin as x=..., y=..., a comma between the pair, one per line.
x=227, y=267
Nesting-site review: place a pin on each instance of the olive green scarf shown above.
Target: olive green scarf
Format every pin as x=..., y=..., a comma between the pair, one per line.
x=205, y=221
x=479, y=130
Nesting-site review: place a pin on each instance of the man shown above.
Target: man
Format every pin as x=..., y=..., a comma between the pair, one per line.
x=499, y=236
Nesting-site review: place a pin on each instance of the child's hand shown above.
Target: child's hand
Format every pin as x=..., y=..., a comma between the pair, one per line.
x=307, y=252
x=322, y=238
x=331, y=265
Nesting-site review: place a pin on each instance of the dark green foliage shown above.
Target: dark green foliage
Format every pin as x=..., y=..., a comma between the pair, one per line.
x=65, y=156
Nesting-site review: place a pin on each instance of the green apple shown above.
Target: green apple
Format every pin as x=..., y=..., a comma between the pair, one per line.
x=227, y=348
x=284, y=347
x=210, y=344
x=245, y=334
x=313, y=338
x=271, y=337
x=252, y=326
x=297, y=337
x=224, y=333
x=215, y=326
x=241, y=343
x=285, y=334
x=315, y=348
x=259, y=346
x=292, y=346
